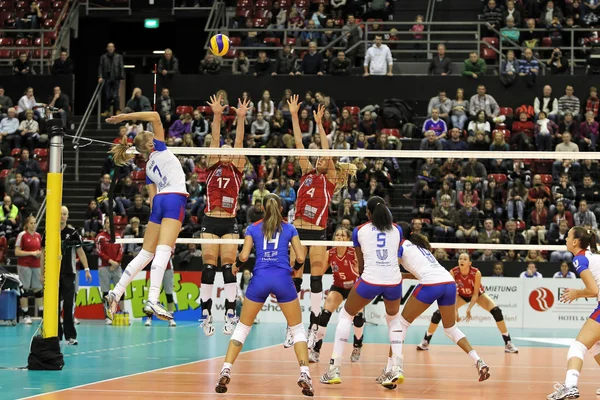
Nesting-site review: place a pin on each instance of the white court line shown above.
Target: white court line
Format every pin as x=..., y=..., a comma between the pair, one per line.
x=117, y=348
x=145, y=372
x=256, y=395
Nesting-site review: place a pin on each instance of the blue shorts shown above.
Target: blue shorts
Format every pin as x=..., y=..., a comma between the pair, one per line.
x=267, y=281
x=596, y=314
x=443, y=293
x=370, y=291
x=168, y=205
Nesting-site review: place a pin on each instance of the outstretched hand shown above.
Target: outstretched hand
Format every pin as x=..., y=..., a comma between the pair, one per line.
x=115, y=119
x=215, y=104
x=293, y=104
x=243, y=108
x=319, y=114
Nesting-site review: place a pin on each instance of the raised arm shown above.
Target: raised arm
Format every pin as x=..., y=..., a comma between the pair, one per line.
x=331, y=172
x=148, y=116
x=241, y=111
x=294, y=107
x=217, y=108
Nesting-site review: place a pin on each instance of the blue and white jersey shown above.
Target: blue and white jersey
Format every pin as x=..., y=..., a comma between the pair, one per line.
x=272, y=252
x=590, y=261
x=423, y=265
x=380, y=253
x=559, y=275
x=165, y=171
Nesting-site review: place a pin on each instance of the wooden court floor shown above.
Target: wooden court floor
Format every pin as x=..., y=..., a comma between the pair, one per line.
x=443, y=373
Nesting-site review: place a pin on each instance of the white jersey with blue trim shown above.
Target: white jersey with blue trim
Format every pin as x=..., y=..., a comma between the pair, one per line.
x=165, y=171
x=590, y=261
x=380, y=253
x=423, y=265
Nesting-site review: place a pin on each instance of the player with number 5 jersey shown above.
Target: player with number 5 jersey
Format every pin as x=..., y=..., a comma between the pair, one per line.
x=168, y=197
x=223, y=183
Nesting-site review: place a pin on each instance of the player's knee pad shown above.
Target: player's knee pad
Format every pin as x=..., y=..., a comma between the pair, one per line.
x=240, y=333
x=436, y=317
x=577, y=349
x=497, y=314
x=39, y=294
x=169, y=297
x=324, y=318
x=28, y=293
x=298, y=333
x=228, y=276
x=359, y=320
x=316, y=284
x=454, y=333
x=208, y=274
x=298, y=284
x=595, y=350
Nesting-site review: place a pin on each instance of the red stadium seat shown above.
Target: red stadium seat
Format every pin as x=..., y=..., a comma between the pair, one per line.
x=58, y=5
x=184, y=110
x=291, y=41
x=507, y=111
x=547, y=42
x=6, y=42
x=285, y=4
x=353, y=110
x=15, y=153
x=44, y=5
x=391, y=132
x=138, y=176
x=546, y=179
x=230, y=54
x=23, y=42
x=499, y=178
x=40, y=154
x=4, y=173
x=194, y=219
x=5, y=15
x=338, y=22
x=244, y=13
x=44, y=166
x=235, y=41
x=262, y=14
x=520, y=225
x=51, y=35
x=488, y=54
x=206, y=110
x=272, y=41
x=6, y=6
x=37, y=54
x=490, y=42
x=120, y=220
x=261, y=22
x=22, y=6
x=49, y=23
x=4, y=54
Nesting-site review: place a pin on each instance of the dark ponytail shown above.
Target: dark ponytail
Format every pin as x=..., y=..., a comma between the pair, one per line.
x=381, y=216
x=415, y=238
x=587, y=239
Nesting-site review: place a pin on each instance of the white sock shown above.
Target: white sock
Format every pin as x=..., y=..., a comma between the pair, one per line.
x=133, y=268
x=321, y=332
x=397, y=327
x=157, y=272
x=342, y=333
x=390, y=363
x=315, y=302
x=305, y=370
x=572, y=378
x=474, y=356
x=226, y=365
x=230, y=295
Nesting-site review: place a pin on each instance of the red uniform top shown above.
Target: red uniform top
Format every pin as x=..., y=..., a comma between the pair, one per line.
x=314, y=197
x=29, y=242
x=344, y=274
x=465, y=284
x=107, y=250
x=223, y=186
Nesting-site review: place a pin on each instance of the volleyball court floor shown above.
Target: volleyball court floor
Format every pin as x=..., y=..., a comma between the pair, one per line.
x=159, y=362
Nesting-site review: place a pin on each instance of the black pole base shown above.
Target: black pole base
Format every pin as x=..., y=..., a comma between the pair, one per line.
x=45, y=354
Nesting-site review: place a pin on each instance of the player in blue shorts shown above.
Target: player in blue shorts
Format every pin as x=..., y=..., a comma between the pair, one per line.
x=582, y=243
x=435, y=284
x=168, y=197
x=377, y=246
x=270, y=237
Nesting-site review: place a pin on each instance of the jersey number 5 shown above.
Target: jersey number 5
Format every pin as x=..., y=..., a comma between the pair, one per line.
x=342, y=275
x=381, y=239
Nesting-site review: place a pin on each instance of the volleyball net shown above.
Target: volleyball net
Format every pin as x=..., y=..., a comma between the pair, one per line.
x=414, y=183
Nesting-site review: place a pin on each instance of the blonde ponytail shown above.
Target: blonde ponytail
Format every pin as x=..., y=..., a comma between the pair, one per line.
x=344, y=171
x=119, y=152
x=273, y=218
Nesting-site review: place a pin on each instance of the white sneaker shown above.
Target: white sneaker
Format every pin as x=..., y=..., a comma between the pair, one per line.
x=510, y=348
x=332, y=376
x=355, y=354
x=172, y=323
x=27, y=320
x=393, y=378
x=312, y=338
x=76, y=321
x=110, y=305
x=563, y=392
x=108, y=321
x=157, y=309
x=148, y=322
x=207, y=325
x=381, y=377
x=305, y=382
x=230, y=322
x=72, y=342
x=483, y=370
x=289, y=340
x=313, y=356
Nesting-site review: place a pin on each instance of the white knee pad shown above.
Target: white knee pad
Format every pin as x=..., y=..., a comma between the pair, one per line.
x=298, y=333
x=454, y=333
x=241, y=332
x=578, y=350
x=397, y=322
x=595, y=350
x=344, y=315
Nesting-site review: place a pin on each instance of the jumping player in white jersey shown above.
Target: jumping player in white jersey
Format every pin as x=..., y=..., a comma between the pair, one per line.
x=435, y=284
x=582, y=243
x=168, y=197
x=377, y=246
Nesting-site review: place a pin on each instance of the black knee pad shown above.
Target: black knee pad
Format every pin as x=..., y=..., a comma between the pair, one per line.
x=324, y=318
x=169, y=298
x=298, y=284
x=316, y=284
x=104, y=294
x=436, y=317
x=359, y=320
x=28, y=293
x=228, y=276
x=208, y=274
x=206, y=306
x=229, y=305
x=497, y=314
x=39, y=295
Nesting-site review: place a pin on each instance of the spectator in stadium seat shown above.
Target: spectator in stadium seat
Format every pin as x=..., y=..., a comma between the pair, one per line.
x=559, y=238
x=592, y=103
x=285, y=62
x=436, y=124
x=277, y=18
x=590, y=192
x=93, y=220
x=442, y=103
x=340, y=66
x=139, y=210
x=513, y=256
x=262, y=66
x=584, y=216
x=467, y=222
x=546, y=103
x=564, y=269
x=63, y=65
x=444, y=219
x=166, y=107
x=430, y=142
x=138, y=102
x=32, y=19
x=266, y=105
x=485, y=102
x=492, y=14
x=550, y=13
x=295, y=21
x=538, y=223
x=260, y=129
x=346, y=210
x=531, y=271
x=417, y=36
x=313, y=62
x=569, y=103
x=516, y=200
x=588, y=133
x=473, y=171
x=544, y=132
x=22, y=66
x=28, y=102
x=530, y=37
x=28, y=132
x=378, y=60
x=455, y=142
x=9, y=219
x=440, y=65
x=498, y=270
x=509, y=69
x=241, y=64
x=440, y=254
x=474, y=67
x=565, y=191
x=446, y=189
x=337, y=8
x=61, y=101
x=8, y=128
x=510, y=32
x=180, y=127
x=168, y=67
x=199, y=128
x=19, y=191
x=309, y=34
x=557, y=62
x=459, y=110
x=255, y=213
x=510, y=234
x=468, y=192
x=31, y=172
x=568, y=124
x=538, y=191
x=352, y=33
x=209, y=65
x=111, y=71
x=529, y=68
x=498, y=143
x=488, y=235
x=5, y=103
x=512, y=12
x=487, y=255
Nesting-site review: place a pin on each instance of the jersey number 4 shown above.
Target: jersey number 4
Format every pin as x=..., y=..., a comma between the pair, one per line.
x=311, y=192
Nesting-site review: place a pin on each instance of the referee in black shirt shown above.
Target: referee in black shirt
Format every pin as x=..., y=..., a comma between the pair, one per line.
x=71, y=243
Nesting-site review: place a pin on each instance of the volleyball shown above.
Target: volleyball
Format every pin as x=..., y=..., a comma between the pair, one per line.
x=219, y=45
